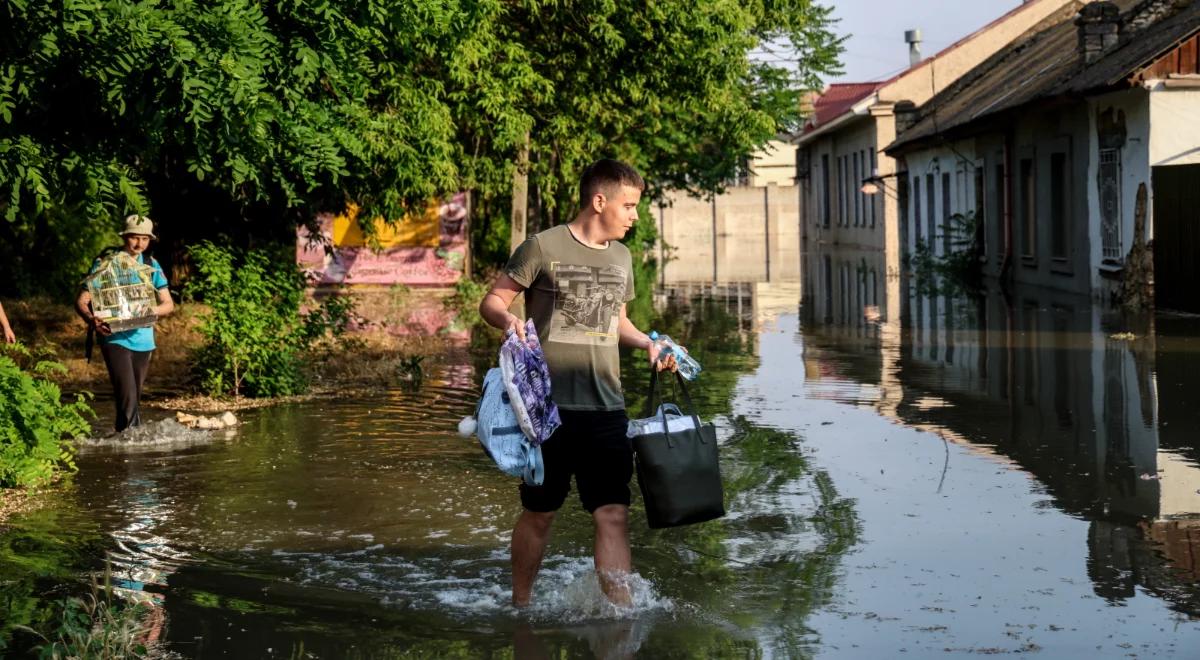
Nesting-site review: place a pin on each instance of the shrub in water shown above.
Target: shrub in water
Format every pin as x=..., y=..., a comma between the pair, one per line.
x=255, y=334
x=36, y=426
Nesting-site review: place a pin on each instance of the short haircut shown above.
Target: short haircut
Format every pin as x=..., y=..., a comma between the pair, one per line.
x=603, y=176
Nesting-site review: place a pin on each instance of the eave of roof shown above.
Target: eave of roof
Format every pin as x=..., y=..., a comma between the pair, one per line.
x=855, y=110
x=1009, y=80
x=845, y=116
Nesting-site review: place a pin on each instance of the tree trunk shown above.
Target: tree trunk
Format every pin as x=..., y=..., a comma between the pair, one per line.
x=520, y=213
x=520, y=196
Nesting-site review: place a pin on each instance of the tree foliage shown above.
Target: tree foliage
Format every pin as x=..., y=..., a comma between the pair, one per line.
x=241, y=118
x=668, y=87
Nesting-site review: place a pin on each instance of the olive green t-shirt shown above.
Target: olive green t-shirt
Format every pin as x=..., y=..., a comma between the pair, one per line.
x=574, y=294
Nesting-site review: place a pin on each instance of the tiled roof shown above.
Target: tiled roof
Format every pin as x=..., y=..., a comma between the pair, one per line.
x=836, y=100
x=1044, y=63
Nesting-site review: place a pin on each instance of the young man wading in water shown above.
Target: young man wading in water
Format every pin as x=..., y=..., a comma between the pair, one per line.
x=577, y=278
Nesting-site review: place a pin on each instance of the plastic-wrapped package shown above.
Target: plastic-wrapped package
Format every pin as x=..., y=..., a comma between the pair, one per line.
x=527, y=379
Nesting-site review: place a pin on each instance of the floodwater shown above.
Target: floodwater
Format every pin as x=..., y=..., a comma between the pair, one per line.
x=908, y=474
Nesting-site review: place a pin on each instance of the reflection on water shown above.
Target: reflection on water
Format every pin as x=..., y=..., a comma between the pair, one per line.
x=905, y=472
x=1091, y=404
x=367, y=527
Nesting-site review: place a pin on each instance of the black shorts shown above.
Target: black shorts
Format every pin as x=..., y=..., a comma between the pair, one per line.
x=590, y=444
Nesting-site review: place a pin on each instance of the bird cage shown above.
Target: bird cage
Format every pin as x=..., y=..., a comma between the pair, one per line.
x=123, y=294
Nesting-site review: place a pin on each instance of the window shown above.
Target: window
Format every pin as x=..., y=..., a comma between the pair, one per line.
x=916, y=195
x=1001, y=198
x=871, y=201
x=1028, y=209
x=841, y=191
x=930, y=213
x=1110, y=203
x=855, y=189
x=825, y=194
x=825, y=190
x=1060, y=208
x=947, y=226
x=960, y=189
x=981, y=215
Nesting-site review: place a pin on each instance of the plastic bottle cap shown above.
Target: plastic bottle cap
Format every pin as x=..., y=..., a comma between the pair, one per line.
x=653, y=335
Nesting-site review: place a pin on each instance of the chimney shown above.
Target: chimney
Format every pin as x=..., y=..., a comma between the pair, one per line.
x=906, y=115
x=913, y=39
x=1151, y=12
x=1099, y=26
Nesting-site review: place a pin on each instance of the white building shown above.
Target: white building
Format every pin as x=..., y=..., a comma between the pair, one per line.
x=1048, y=143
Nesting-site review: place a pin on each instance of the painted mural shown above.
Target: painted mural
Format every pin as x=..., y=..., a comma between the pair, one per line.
x=430, y=250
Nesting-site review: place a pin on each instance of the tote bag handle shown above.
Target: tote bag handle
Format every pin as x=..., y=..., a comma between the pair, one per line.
x=656, y=389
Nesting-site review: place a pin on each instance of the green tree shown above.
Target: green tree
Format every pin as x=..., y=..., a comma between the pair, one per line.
x=237, y=117
x=669, y=87
x=240, y=119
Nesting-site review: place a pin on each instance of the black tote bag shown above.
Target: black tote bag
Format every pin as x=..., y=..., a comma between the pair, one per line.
x=678, y=472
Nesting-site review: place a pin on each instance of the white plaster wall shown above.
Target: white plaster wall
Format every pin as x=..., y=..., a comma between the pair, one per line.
x=1174, y=127
x=959, y=161
x=1135, y=169
x=933, y=74
x=774, y=163
x=756, y=236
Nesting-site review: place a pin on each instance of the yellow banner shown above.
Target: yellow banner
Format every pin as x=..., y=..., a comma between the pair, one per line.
x=410, y=231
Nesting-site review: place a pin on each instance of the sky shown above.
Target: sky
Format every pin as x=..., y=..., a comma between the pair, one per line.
x=876, y=48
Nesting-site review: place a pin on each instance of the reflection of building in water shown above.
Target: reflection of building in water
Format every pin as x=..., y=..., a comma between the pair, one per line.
x=752, y=305
x=1047, y=383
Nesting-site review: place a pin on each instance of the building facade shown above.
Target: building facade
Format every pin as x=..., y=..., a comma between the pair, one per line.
x=842, y=144
x=1052, y=157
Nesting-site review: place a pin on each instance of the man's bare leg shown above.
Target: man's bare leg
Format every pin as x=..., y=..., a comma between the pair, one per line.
x=613, y=562
x=529, y=539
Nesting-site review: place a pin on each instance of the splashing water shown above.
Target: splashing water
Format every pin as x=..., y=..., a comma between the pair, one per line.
x=154, y=435
x=567, y=589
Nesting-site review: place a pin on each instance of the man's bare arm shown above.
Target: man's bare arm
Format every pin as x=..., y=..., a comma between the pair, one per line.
x=629, y=335
x=165, y=304
x=494, y=306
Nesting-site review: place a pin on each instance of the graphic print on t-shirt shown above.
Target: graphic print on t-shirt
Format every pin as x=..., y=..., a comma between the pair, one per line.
x=587, y=303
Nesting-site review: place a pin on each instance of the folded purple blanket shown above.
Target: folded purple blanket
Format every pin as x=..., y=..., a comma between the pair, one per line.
x=527, y=379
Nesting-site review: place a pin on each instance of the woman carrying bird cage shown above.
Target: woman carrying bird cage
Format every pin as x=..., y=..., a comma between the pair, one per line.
x=122, y=297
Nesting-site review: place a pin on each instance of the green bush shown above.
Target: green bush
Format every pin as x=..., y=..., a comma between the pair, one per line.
x=36, y=426
x=255, y=334
x=960, y=270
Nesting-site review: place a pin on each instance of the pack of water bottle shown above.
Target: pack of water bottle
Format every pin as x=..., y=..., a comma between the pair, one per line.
x=668, y=418
x=689, y=368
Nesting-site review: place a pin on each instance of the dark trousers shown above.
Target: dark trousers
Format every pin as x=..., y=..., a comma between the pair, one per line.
x=126, y=372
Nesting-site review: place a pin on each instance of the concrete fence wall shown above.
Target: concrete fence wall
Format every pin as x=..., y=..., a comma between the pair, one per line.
x=748, y=234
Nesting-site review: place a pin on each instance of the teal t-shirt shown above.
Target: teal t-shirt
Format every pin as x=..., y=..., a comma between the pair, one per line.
x=138, y=339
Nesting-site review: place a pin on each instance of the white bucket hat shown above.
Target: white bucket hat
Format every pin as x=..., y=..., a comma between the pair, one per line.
x=139, y=224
